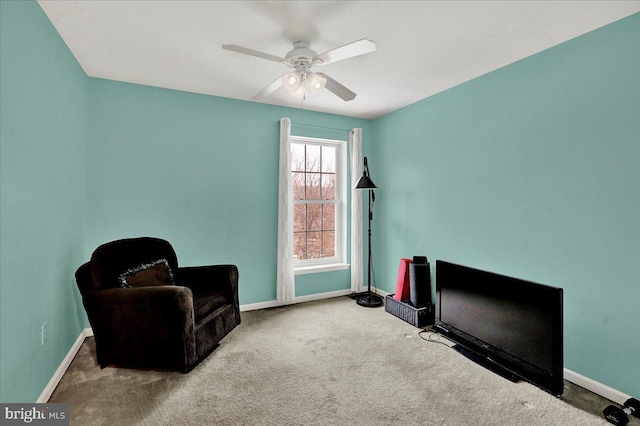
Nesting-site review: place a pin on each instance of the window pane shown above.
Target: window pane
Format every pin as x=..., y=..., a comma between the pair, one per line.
x=329, y=217
x=328, y=243
x=328, y=159
x=299, y=217
x=315, y=174
x=313, y=158
x=328, y=186
x=314, y=245
x=297, y=157
x=297, y=181
x=299, y=245
x=313, y=186
x=314, y=217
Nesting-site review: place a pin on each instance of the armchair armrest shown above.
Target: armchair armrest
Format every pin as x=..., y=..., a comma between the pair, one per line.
x=204, y=279
x=136, y=323
x=121, y=304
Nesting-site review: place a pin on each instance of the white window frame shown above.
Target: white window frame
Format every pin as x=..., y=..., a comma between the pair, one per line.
x=338, y=262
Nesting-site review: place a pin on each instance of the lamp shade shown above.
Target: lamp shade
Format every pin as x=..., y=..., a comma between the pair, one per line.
x=316, y=82
x=365, y=183
x=292, y=81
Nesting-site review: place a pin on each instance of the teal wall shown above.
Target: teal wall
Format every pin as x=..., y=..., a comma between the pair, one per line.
x=43, y=134
x=531, y=171
x=199, y=171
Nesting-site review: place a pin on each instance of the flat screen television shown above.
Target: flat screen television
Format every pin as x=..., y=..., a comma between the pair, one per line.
x=511, y=326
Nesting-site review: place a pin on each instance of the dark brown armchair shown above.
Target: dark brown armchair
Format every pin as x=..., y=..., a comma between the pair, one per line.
x=147, y=312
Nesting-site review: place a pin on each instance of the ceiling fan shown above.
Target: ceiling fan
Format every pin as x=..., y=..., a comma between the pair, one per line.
x=301, y=59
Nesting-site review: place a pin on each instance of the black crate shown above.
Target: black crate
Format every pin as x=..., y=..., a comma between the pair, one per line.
x=418, y=317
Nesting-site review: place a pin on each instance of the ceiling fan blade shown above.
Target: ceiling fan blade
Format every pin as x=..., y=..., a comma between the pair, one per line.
x=252, y=52
x=268, y=90
x=350, y=50
x=337, y=89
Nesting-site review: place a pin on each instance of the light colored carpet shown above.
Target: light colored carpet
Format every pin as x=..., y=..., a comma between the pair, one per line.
x=329, y=362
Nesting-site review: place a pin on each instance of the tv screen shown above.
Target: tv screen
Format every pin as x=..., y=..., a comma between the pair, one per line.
x=513, y=323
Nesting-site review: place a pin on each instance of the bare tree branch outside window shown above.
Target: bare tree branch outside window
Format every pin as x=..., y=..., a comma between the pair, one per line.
x=313, y=170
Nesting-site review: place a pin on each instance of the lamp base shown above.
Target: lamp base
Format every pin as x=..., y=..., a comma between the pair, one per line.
x=370, y=300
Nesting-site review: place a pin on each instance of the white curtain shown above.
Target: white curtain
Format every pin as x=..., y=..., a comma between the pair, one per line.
x=355, y=155
x=286, y=278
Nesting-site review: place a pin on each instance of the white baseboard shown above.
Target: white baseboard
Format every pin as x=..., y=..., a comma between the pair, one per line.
x=596, y=387
x=301, y=299
x=381, y=292
x=57, y=376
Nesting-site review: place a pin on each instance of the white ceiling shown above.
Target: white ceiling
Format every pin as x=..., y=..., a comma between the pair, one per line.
x=423, y=47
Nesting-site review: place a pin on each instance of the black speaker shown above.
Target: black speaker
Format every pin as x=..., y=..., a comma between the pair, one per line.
x=420, y=282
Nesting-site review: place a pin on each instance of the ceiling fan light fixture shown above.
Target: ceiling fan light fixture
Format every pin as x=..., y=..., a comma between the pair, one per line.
x=292, y=81
x=316, y=82
x=299, y=92
x=301, y=59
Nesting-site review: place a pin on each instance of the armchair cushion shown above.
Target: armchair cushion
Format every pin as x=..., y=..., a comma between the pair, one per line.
x=154, y=273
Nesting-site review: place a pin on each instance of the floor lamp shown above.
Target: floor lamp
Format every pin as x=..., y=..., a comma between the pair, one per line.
x=369, y=300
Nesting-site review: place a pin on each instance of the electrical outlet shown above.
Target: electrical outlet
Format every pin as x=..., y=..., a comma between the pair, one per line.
x=43, y=333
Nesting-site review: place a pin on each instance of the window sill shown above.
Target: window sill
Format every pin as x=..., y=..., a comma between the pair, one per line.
x=301, y=270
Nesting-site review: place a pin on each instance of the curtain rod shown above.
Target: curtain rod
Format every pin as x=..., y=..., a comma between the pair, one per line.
x=319, y=127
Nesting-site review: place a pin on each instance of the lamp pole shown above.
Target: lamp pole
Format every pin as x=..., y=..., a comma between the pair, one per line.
x=370, y=300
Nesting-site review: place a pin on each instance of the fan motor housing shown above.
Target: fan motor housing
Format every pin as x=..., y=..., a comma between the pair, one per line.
x=301, y=53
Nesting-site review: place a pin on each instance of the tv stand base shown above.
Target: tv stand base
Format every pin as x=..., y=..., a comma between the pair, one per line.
x=487, y=363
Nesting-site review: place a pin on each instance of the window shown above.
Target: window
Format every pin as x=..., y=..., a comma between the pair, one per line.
x=319, y=206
